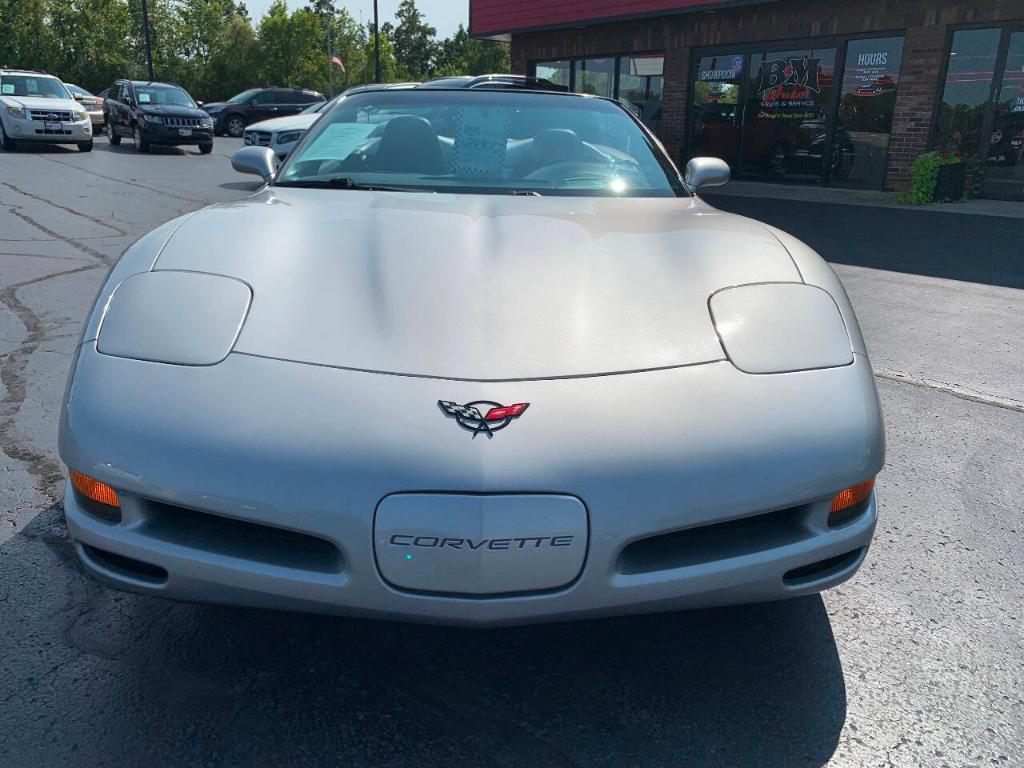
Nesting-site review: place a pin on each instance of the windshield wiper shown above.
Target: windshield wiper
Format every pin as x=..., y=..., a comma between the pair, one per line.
x=344, y=182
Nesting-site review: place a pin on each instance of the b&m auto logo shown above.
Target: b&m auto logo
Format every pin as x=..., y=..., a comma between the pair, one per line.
x=790, y=77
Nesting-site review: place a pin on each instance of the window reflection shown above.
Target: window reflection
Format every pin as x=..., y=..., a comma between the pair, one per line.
x=636, y=81
x=972, y=63
x=866, y=107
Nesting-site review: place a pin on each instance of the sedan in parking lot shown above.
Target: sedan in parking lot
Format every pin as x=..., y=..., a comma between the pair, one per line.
x=93, y=104
x=281, y=134
x=472, y=356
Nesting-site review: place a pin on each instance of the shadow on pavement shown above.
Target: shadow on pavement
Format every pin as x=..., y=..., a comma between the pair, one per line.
x=956, y=246
x=139, y=681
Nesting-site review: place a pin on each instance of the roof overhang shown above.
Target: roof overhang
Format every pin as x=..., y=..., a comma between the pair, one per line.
x=499, y=20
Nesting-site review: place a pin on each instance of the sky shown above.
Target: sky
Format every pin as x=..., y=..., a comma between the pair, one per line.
x=446, y=15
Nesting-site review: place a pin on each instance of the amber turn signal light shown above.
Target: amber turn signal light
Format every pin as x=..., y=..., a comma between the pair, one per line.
x=852, y=496
x=93, y=489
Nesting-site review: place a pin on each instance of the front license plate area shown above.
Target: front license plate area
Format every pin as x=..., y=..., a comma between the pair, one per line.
x=480, y=544
x=53, y=126
x=184, y=131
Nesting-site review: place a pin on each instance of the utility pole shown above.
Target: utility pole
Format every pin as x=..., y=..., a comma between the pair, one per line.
x=149, y=48
x=376, y=41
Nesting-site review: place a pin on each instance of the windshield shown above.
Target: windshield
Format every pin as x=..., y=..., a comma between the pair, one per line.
x=487, y=142
x=319, y=106
x=243, y=96
x=163, y=96
x=36, y=86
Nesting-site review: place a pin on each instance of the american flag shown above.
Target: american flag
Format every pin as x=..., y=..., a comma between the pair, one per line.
x=336, y=61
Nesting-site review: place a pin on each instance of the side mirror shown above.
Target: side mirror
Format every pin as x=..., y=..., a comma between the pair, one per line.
x=706, y=172
x=259, y=161
x=199, y=104
x=77, y=96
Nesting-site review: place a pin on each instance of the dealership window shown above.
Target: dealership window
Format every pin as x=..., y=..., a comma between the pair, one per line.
x=867, y=103
x=641, y=83
x=1005, y=154
x=787, y=113
x=595, y=76
x=981, y=113
x=558, y=72
x=636, y=81
x=972, y=65
x=772, y=113
x=716, y=106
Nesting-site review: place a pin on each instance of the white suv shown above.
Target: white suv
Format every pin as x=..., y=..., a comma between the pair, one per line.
x=36, y=107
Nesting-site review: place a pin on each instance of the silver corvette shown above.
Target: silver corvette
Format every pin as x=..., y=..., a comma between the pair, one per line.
x=472, y=357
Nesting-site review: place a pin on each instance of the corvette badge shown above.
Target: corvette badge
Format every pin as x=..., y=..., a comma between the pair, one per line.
x=483, y=415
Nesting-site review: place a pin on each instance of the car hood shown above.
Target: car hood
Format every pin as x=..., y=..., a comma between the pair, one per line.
x=170, y=110
x=478, y=287
x=36, y=102
x=289, y=123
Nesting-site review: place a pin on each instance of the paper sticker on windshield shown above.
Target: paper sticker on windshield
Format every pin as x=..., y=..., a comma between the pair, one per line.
x=338, y=141
x=143, y=98
x=481, y=139
x=7, y=89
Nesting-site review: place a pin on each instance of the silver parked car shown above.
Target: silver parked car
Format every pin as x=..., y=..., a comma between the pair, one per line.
x=281, y=134
x=472, y=356
x=93, y=104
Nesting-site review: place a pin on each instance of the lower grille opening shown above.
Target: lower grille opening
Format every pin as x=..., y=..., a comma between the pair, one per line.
x=241, y=539
x=821, y=569
x=102, y=512
x=848, y=515
x=126, y=566
x=718, y=541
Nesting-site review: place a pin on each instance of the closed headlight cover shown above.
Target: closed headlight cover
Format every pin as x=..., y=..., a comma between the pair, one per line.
x=289, y=137
x=181, y=318
x=780, y=328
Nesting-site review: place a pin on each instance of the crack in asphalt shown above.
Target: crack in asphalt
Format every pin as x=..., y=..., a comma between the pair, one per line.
x=15, y=210
x=161, y=192
x=39, y=464
x=956, y=390
x=72, y=211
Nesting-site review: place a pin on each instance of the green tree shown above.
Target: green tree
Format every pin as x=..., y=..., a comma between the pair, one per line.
x=291, y=47
x=217, y=48
x=414, y=41
x=90, y=49
x=25, y=37
x=461, y=54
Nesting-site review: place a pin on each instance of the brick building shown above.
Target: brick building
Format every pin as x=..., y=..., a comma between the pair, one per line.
x=827, y=91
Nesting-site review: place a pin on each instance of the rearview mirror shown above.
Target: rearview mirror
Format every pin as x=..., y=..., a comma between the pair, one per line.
x=259, y=161
x=706, y=172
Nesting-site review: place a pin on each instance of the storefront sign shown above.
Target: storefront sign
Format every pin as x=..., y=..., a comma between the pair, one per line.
x=794, y=74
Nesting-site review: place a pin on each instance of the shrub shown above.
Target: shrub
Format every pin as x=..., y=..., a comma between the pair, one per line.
x=924, y=174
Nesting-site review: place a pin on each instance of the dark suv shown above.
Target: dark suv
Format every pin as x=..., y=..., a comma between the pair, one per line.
x=155, y=113
x=258, y=104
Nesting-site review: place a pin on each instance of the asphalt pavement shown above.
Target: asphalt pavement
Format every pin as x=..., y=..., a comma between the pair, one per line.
x=917, y=661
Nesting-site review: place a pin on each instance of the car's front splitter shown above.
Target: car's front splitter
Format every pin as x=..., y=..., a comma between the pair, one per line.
x=701, y=485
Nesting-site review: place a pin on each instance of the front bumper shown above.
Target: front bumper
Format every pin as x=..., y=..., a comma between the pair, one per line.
x=155, y=133
x=42, y=131
x=268, y=139
x=195, y=469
